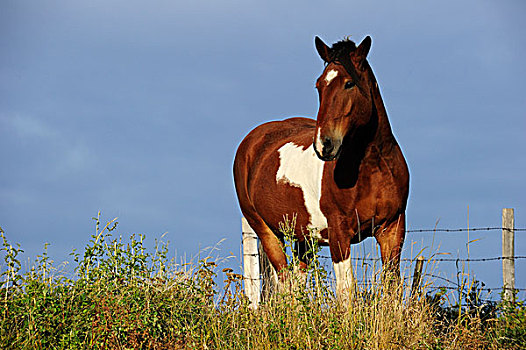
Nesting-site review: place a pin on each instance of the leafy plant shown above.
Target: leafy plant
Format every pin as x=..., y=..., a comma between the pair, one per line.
x=124, y=296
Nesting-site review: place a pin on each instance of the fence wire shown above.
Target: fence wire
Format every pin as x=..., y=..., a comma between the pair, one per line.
x=466, y=229
x=439, y=259
x=452, y=259
x=452, y=284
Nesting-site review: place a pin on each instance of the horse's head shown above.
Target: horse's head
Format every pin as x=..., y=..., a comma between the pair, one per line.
x=345, y=95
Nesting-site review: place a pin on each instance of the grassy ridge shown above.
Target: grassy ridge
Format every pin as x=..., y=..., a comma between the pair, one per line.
x=123, y=297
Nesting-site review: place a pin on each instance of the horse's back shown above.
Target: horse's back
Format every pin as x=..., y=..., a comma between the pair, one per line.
x=256, y=167
x=270, y=136
x=276, y=131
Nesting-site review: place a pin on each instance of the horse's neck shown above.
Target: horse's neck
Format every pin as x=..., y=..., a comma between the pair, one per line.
x=373, y=141
x=383, y=138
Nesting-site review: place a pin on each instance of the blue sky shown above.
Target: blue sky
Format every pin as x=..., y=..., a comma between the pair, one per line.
x=136, y=109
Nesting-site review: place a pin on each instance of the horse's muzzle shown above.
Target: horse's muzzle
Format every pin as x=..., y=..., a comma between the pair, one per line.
x=328, y=149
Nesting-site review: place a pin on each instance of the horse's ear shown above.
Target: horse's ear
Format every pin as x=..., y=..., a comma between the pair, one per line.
x=362, y=50
x=323, y=50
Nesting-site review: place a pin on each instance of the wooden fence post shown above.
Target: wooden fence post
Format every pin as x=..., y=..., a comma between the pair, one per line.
x=250, y=264
x=508, y=254
x=417, y=275
x=269, y=277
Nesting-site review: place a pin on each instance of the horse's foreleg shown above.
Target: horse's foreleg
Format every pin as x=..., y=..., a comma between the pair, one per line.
x=391, y=239
x=340, y=246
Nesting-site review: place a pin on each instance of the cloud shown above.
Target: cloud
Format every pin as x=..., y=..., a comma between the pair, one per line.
x=45, y=143
x=29, y=127
x=75, y=159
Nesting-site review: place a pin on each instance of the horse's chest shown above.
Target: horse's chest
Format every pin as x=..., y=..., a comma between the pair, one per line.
x=374, y=197
x=371, y=197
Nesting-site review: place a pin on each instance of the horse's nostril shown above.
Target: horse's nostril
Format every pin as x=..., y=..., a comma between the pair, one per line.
x=328, y=146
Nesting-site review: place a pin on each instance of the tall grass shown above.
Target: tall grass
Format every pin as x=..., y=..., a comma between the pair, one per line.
x=121, y=296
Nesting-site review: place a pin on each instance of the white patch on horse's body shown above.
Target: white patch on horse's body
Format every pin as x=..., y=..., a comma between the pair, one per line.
x=330, y=75
x=344, y=276
x=302, y=168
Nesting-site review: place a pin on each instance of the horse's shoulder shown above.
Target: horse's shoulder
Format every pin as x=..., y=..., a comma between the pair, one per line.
x=300, y=121
x=289, y=123
x=298, y=130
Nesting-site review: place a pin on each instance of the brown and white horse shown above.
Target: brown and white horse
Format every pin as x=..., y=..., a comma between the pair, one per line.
x=343, y=175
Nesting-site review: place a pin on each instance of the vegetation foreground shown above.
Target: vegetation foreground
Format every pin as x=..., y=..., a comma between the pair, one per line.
x=123, y=297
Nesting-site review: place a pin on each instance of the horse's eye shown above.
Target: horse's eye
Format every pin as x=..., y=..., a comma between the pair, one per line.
x=349, y=84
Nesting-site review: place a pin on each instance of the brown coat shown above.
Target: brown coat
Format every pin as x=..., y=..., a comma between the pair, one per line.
x=343, y=174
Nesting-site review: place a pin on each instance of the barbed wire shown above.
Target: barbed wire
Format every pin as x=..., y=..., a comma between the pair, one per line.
x=481, y=259
x=445, y=259
x=465, y=229
x=477, y=289
x=438, y=259
x=453, y=285
x=457, y=286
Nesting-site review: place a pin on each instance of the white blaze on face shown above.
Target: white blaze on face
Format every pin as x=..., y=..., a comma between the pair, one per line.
x=344, y=277
x=319, y=144
x=302, y=168
x=330, y=76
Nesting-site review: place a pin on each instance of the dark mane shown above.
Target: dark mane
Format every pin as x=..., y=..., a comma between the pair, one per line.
x=340, y=54
x=341, y=50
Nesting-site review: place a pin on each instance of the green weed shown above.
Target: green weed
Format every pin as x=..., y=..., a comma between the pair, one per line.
x=122, y=296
